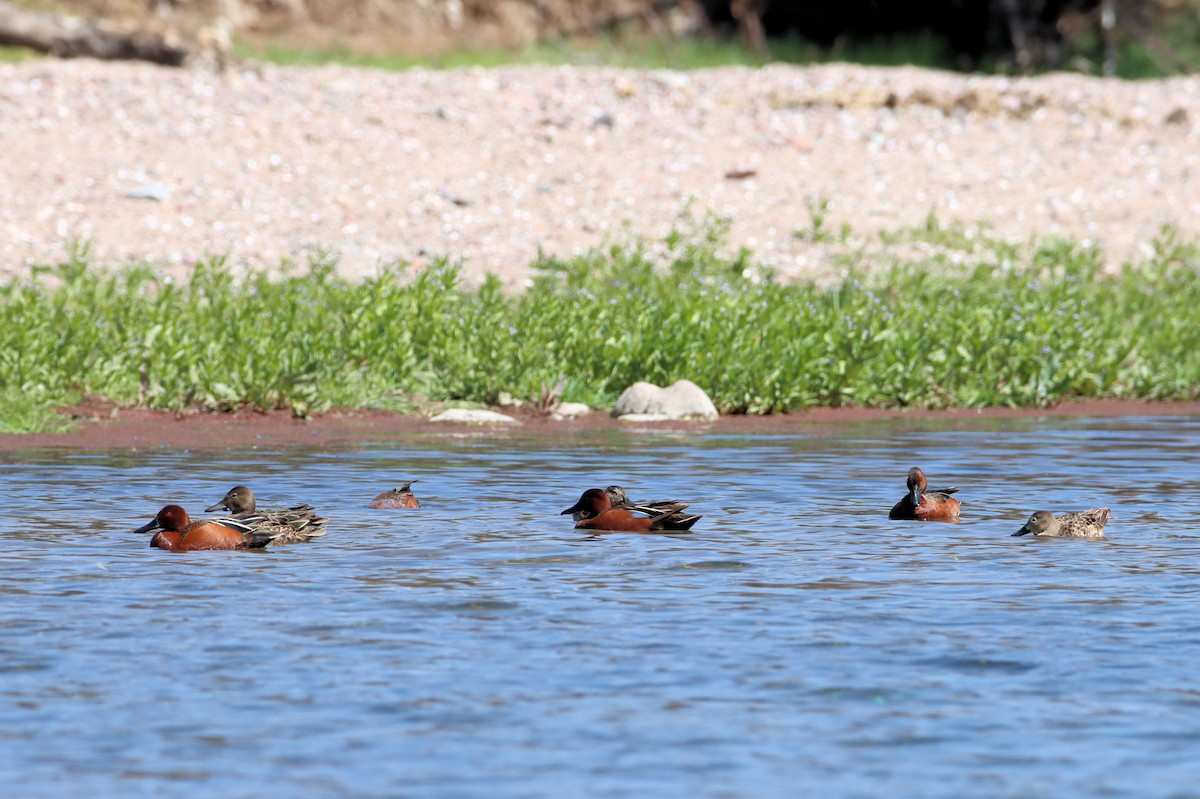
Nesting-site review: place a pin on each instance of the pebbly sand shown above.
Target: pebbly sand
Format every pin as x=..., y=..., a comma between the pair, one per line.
x=493, y=166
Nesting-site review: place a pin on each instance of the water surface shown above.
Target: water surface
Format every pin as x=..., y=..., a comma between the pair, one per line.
x=796, y=643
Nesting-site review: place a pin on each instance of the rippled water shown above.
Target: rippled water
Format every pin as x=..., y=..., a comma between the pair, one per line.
x=797, y=643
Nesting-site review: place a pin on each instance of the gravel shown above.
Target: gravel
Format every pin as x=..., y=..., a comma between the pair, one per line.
x=493, y=166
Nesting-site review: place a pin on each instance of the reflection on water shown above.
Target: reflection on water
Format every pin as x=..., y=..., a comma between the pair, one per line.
x=796, y=643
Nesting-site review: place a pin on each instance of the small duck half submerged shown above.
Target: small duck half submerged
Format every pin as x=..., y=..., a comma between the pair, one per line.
x=1082, y=524
x=597, y=510
x=921, y=504
x=178, y=533
x=297, y=523
x=401, y=497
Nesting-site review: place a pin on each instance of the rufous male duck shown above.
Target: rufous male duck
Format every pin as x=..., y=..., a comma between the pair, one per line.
x=401, y=497
x=923, y=505
x=676, y=520
x=178, y=533
x=1080, y=524
x=599, y=514
x=297, y=523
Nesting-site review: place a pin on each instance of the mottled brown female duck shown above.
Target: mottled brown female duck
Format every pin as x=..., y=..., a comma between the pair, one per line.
x=1081, y=524
x=921, y=504
x=401, y=497
x=296, y=524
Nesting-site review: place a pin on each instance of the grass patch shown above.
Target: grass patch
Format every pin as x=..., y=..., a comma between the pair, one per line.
x=1174, y=49
x=628, y=50
x=22, y=412
x=1171, y=50
x=956, y=319
x=15, y=55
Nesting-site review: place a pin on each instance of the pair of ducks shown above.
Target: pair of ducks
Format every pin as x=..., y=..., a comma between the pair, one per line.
x=611, y=510
x=246, y=527
x=922, y=504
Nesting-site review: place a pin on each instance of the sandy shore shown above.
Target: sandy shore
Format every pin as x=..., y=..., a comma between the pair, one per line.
x=493, y=166
x=105, y=428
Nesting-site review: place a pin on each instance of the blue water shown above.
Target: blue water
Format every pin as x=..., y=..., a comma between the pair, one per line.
x=796, y=643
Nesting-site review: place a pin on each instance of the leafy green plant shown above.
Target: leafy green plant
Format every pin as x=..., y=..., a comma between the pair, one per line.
x=967, y=321
x=818, y=214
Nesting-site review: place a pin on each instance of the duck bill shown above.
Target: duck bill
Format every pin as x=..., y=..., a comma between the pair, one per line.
x=578, y=506
x=914, y=496
x=145, y=528
x=1020, y=532
x=214, y=508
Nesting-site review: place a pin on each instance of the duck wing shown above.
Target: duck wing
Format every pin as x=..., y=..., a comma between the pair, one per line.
x=1094, y=518
x=287, y=525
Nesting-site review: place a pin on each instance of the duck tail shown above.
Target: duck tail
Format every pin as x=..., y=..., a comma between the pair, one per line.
x=680, y=521
x=673, y=520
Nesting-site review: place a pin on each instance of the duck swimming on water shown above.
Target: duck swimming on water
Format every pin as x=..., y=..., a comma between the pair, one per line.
x=400, y=497
x=297, y=523
x=178, y=533
x=1080, y=524
x=921, y=504
x=597, y=511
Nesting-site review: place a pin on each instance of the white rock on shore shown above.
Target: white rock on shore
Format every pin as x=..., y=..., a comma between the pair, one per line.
x=640, y=418
x=570, y=410
x=472, y=416
x=683, y=399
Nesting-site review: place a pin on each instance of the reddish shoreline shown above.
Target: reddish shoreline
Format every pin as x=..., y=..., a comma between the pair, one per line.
x=105, y=428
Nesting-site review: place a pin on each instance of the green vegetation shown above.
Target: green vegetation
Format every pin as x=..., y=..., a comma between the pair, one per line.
x=1170, y=51
x=970, y=321
x=635, y=52
x=25, y=412
x=15, y=55
x=1166, y=49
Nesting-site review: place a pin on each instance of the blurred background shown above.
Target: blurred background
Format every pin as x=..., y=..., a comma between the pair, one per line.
x=1129, y=38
